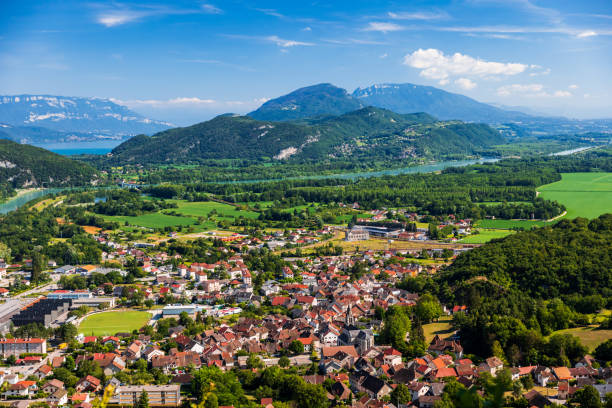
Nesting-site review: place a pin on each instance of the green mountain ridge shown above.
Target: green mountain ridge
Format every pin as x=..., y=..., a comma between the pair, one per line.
x=321, y=99
x=28, y=166
x=365, y=133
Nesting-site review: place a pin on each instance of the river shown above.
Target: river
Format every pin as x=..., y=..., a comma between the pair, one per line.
x=16, y=202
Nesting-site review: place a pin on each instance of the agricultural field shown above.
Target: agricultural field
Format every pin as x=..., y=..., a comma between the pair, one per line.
x=509, y=224
x=203, y=209
x=485, y=235
x=153, y=220
x=110, y=323
x=590, y=336
x=584, y=194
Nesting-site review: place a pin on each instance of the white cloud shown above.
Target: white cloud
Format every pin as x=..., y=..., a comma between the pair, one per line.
x=417, y=15
x=531, y=91
x=306, y=29
x=562, y=94
x=281, y=42
x=544, y=72
x=383, y=27
x=573, y=86
x=118, y=14
x=586, y=34
x=348, y=41
x=159, y=103
x=385, y=55
x=286, y=43
x=186, y=102
x=209, y=8
x=115, y=18
x=54, y=65
x=435, y=65
x=465, y=83
x=502, y=29
x=444, y=81
x=508, y=90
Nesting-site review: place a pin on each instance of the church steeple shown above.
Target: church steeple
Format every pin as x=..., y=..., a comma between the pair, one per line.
x=350, y=319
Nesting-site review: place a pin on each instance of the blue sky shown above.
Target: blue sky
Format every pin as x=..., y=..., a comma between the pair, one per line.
x=186, y=61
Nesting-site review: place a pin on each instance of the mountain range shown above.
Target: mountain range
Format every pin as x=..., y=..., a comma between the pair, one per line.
x=325, y=99
x=366, y=133
x=48, y=118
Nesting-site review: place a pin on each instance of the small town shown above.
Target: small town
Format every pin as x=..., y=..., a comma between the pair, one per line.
x=341, y=324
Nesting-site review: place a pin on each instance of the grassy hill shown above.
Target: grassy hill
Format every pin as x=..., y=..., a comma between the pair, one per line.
x=29, y=166
x=366, y=133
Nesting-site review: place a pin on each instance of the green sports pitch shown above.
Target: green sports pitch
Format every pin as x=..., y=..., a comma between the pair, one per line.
x=111, y=323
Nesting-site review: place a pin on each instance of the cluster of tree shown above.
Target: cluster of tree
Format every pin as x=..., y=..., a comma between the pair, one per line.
x=29, y=234
x=130, y=203
x=284, y=386
x=521, y=289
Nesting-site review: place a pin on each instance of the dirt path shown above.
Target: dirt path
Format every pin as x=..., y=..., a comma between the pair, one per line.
x=563, y=214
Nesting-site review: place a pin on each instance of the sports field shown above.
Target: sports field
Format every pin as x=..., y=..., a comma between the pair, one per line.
x=584, y=194
x=110, y=323
x=485, y=235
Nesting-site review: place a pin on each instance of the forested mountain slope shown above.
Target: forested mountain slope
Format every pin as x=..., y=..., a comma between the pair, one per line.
x=29, y=166
x=365, y=133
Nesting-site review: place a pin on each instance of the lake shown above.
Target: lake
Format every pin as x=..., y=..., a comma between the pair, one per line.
x=70, y=149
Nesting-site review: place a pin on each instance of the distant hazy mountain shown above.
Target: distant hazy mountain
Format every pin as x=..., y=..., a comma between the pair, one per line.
x=32, y=118
x=327, y=99
x=367, y=133
x=28, y=166
x=321, y=99
x=406, y=98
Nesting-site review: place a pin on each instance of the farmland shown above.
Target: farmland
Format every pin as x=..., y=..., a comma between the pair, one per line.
x=485, y=235
x=204, y=209
x=509, y=224
x=583, y=194
x=110, y=323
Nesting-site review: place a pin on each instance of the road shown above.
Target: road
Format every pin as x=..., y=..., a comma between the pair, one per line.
x=49, y=286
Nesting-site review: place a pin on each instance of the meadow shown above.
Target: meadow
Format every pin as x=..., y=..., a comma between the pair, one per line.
x=442, y=328
x=509, y=224
x=584, y=194
x=111, y=323
x=203, y=209
x=153, y=220
x=485, y=235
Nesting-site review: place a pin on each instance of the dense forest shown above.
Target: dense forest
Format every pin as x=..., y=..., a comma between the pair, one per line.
x=29, y=166
x=521, y=288
x=366, y=134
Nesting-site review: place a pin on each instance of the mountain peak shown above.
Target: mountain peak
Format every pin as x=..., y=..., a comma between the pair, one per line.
x=68, y=116
x=309, y=101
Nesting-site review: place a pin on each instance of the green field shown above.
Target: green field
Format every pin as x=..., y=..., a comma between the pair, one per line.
x=584, y=194
x=203, y=209
x=485, y=235
x=110, y=323
x=442, y=328
x=154, y=220
x=508, y=224
x=591, y=337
